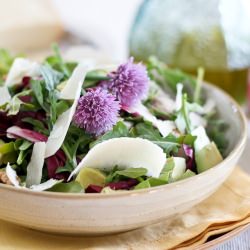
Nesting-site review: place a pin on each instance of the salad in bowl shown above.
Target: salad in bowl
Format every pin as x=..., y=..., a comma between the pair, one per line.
x=83, y=128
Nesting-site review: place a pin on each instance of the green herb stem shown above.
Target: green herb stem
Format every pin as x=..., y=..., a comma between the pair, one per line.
x=185, y=113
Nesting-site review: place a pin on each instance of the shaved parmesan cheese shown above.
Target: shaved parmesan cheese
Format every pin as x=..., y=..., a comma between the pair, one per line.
x=11, y=173
x=178, y=100
x=72, y=90
x=35, y=167
x=202, y=139
x=125, y=153
x=21, y=67
x=45, y=185
x=12, y=176
x=165, y=127
x=5, y=96
x=197, y=120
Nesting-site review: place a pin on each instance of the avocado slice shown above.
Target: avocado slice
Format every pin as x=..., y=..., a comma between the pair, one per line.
x=89, y=176
x=207, y=157
x=1, y=155
x=7, y=152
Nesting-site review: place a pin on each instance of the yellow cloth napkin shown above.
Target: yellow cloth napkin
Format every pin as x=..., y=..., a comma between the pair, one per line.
x=225, y=210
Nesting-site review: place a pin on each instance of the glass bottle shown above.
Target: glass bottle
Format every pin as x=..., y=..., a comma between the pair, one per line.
x=214, y=34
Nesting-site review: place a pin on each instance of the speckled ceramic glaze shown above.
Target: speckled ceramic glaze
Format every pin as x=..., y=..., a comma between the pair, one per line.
x=116, y=212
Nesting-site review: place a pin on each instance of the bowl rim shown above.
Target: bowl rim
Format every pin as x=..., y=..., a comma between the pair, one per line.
x=237, y=148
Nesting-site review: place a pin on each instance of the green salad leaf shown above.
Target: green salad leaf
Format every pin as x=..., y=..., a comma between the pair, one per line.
x=150, y=182
x=132, y=172
x=142, y=185
x=71, y=187
x=147, y=131
x=168, y=78
x=119, y=130
x=13, y=107
x=51, y=77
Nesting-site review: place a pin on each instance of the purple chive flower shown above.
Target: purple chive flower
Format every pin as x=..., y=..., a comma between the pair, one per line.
x=97, y=111
x=129, y=83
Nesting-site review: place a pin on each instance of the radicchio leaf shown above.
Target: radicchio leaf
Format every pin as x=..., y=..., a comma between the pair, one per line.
x=54, y=162
x=29, y=135
x=126, y=184
x=93, y=189
x=25, y=98
x=16, y=120
x=189, y=152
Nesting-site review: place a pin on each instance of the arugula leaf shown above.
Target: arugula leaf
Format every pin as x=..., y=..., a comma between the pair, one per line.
x=61, y=107
x=159, y=113
x=119, y=130
x=216, y=131
x=58, y=58
x=37, y=89
x=66, y=168
x=38, y=125
x=51, y=77
x=147, y=131
x=76, y=142
x=52, y=100
x=111, y=175
x=46, y=93
x=132, y=172
x=168, y=77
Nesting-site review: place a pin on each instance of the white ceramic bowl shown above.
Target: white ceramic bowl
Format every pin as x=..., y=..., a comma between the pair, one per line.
x=117, y=212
